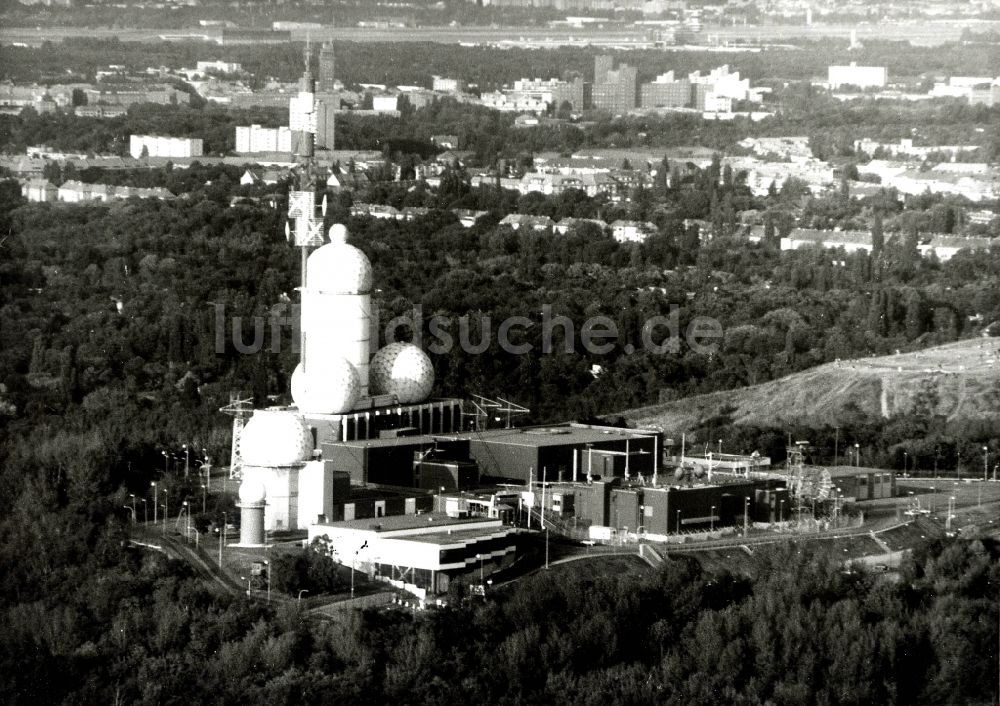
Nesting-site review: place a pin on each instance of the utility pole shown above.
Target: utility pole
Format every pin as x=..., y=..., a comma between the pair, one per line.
x=222, y=531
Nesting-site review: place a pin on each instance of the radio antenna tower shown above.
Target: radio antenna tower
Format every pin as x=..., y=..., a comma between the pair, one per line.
x=240, y=408
x=304, y=226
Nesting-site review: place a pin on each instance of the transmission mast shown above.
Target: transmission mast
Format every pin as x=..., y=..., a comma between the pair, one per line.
x=304, y=225
x=239, y=408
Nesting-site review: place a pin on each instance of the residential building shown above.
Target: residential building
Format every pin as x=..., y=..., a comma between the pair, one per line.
x=467, y=217
x=131, y=94
x=632, y=231
x=327, y=69
x=78, y=192
x=40, y=190
x=614, y=90
x=567, y=225
x=447, y=85
x=159, y=146
x=387, y=103
x=448, y=142
x=516, y=221
x=666, y=92
x=256, y=139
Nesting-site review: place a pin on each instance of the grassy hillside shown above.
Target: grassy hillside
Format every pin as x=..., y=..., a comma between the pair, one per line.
x=959, y=380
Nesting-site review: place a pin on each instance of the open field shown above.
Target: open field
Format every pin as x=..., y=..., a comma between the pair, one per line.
x=964, y=375
x=928, y=33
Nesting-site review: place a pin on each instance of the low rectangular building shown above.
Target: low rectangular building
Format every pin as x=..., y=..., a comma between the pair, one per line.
x=420, y=553
x=160, y=146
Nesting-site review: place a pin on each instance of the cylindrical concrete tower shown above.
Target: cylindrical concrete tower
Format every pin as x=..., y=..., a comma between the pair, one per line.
x=336, y=322
x=275, y=444
x=252, y=495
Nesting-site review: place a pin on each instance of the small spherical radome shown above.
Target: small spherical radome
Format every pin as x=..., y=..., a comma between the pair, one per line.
x=339, y=268
x=274, y=438
x=403, y=370
x=252, y=492
x=330, y=386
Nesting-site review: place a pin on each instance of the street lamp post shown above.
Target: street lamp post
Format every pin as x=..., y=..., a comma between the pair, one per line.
x=203, y=489
x=156, y=502
x=187, y=459
x=132, y=495
x=711, y=519
x=678, y=522
x=986, y=463
x=905, y=457
x=145, y=510
x=132, y=510
x=187, y=521
x=781, y=511
x=746, y=516
x=958, y=465
x=304, y=590
x=480, y=558
x=857, y=455
x=166, y=509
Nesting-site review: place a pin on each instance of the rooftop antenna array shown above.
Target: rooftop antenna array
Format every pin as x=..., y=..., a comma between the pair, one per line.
x=806, y=482
x=485, y=408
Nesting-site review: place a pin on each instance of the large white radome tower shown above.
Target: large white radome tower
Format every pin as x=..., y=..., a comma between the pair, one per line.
x=336, y=327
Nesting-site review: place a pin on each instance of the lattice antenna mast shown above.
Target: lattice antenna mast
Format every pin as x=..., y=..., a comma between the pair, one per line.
x=304, y=225
x=240, y=408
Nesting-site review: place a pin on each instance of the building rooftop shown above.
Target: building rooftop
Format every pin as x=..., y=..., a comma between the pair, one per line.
x=839, y=471
x=520, y=436
x=436, y=522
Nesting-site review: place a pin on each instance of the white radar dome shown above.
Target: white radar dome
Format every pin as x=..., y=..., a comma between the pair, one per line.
x=274, y=438
x=339, y=268
x=403, y=370
x=252, y=492
x=328, y=387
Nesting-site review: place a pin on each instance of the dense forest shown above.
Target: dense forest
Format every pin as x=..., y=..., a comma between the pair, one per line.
x=87, y=620
x=187, y=273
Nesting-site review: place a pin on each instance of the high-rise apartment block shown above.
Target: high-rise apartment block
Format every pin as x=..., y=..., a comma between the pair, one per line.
x=327, y=66
x=666, y=92
x=615, y=90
